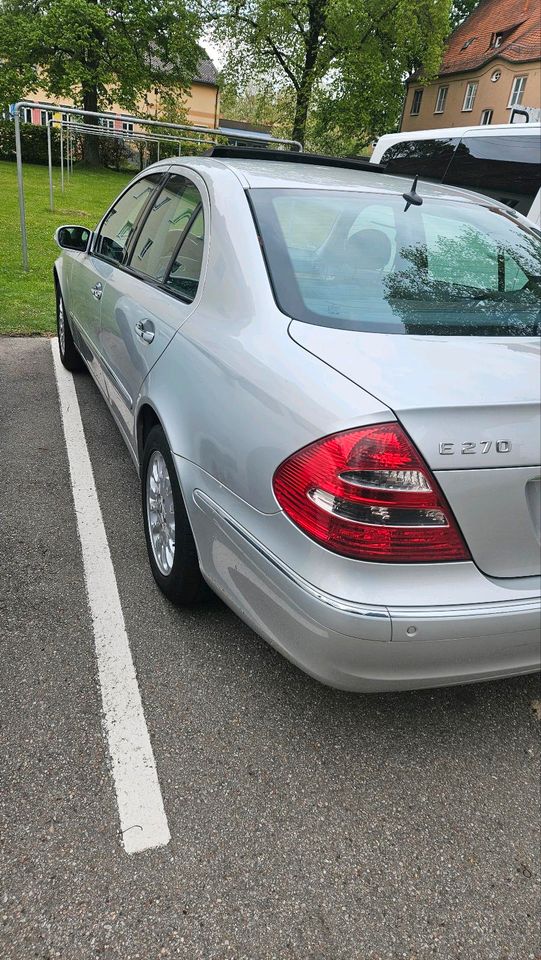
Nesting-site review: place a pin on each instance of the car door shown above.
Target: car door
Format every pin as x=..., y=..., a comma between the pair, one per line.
x=91, y=271
x=147, y=299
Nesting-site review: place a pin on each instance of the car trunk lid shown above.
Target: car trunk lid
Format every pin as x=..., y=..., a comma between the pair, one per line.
x=471, y=405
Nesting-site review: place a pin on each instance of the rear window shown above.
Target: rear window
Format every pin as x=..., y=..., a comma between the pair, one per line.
x=358, y=261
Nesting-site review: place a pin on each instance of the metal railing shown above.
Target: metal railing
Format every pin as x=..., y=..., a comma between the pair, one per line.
x=209, y=132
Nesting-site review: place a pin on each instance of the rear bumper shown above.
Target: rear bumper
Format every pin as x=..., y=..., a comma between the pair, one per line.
x=362, y=647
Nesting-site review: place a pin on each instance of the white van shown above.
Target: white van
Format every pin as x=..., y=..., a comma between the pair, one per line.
x=502, y=161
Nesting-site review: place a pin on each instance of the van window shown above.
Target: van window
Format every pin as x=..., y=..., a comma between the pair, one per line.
x=504, y=167
x=429, y=158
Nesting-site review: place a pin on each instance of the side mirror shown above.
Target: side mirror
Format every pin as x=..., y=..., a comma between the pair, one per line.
x=73, y=238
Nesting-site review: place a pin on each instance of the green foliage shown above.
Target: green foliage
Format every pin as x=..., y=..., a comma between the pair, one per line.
x=33, y=143
x=28, y=298
x=460, y=10
x=264, y=105
x=104, y=50
x=342, y=61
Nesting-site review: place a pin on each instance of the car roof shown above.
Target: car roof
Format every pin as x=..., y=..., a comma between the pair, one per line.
x=263, y=174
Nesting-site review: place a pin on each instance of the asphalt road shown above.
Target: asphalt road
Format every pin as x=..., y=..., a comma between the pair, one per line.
x=305, y=822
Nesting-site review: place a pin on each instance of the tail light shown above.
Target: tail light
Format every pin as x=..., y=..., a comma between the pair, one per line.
x=368, y=494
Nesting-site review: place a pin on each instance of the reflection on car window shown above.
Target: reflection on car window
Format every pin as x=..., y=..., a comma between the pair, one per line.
x=428, y=158
x=185, y=270
x=504, y=167
x=164, y=227
x=362, y=263
x=120, y=221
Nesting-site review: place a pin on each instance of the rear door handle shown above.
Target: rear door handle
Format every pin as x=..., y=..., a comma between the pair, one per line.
x=145, y=330
x=97, y=291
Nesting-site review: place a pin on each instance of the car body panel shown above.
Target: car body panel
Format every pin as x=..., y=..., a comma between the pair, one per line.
x=471, y=405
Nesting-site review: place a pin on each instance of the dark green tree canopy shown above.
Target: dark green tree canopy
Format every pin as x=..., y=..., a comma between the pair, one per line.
x=96, y=51
x=344, y=60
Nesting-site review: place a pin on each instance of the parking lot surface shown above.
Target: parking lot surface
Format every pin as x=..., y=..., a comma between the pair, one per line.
x=305, y=822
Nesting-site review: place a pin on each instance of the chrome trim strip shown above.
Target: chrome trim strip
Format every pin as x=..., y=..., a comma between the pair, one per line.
x=336, y=603
x=496, y=608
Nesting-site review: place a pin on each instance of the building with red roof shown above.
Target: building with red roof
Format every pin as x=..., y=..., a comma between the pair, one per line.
x=492, y=64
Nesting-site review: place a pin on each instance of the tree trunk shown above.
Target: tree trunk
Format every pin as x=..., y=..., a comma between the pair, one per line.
x=91, y=148
x=317, y=14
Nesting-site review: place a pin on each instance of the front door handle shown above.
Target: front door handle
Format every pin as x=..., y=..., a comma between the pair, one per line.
x=145, y=330
x=97, y=291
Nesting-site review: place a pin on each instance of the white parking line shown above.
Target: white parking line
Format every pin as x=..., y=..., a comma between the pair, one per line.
x=143, y=821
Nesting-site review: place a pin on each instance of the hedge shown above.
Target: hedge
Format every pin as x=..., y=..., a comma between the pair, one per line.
x=33, y=142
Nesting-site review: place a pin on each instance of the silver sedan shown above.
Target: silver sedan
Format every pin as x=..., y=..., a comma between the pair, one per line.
x=328, y=381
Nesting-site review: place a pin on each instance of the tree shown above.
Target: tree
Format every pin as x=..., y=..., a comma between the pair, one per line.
x=317, y=48
x=97, y=51
x=460, y=10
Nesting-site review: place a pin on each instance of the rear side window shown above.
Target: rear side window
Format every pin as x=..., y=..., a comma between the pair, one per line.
x=185, y=270
x=165, y=227
x=121, y=219
x=428, y=158
x=505, y=167
x=358, y=261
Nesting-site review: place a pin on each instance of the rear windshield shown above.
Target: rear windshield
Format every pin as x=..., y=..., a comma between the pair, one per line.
x=358, y=261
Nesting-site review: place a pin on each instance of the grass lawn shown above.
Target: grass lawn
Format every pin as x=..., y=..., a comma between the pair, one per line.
x=27, y=299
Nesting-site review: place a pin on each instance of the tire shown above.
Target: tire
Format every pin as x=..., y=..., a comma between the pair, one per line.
x=176, y=570
x=69, y=354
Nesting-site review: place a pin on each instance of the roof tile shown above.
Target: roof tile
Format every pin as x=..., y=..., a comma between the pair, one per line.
x=520, y=19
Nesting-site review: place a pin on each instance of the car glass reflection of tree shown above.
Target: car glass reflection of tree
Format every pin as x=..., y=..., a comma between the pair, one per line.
x=448, y=287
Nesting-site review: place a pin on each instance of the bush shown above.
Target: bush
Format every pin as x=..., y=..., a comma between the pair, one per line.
x=33, y=142
x=115, y=153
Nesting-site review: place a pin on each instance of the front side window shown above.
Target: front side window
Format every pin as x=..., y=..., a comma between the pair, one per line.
x=416, y=103
x=166, y=227
x=360, y=262
x=517, y=91
x=440, y=99
x=120, y=221
x=469, y=97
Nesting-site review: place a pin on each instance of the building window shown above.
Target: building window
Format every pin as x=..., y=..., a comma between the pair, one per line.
x=517, y=91
x=27, y=115
x=486, y=117
x=467, y=43
x=496, y=76
x=45, y=116
x=416, y=103
x=469, y=98
x=127, y=126
x=497, y=39
x=440, y=99
x=108, y=124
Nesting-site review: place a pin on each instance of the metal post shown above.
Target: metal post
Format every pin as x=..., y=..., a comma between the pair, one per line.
x=61, y=157
x=50, y=161
x=158, y=154
x=20, y=186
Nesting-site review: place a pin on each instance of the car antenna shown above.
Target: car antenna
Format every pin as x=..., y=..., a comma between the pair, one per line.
x=413, y=197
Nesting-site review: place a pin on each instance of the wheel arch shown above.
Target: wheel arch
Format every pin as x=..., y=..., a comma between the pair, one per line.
x=147, y=418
